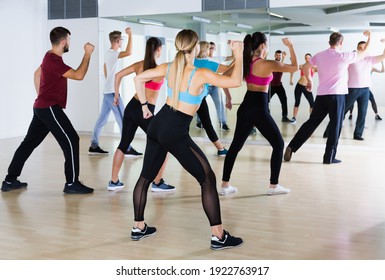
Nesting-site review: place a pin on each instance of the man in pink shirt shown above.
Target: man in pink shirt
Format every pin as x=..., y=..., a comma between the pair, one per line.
x=359, y=81
x=332, y=65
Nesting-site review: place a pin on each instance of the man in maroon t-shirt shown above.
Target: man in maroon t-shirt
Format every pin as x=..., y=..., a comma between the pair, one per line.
x=276, y=86
x=48, y=116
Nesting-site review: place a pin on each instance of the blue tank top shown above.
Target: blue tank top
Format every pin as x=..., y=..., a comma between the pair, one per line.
x=185, y=96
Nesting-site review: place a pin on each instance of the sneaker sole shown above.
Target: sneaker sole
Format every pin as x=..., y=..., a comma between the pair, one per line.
x=115, y=188
x=223, y=194
x=73, y=192
x=11, y=189
x=221, y=155
x=137, y=238
x=277, y=193
x=97, y=154
x=132, y=156
x=161, y=190
x=218, y=247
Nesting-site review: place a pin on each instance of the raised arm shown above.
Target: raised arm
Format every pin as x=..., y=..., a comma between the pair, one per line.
x=235, y=78
x=128, y=49
x=142, y=78
x=283, y=67
x=36, y=79
x=364, y=52
x=81, y=71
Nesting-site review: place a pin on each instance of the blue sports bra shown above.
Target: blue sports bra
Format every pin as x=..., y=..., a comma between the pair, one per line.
x=185, y=96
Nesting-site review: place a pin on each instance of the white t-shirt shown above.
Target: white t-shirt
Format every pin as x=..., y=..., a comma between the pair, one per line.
x=111, y=59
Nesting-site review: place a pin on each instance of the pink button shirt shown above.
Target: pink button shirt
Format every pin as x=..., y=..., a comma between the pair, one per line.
x=360, y=73
x=332, y=66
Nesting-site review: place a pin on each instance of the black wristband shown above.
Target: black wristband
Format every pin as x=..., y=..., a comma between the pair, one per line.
x=144, y=104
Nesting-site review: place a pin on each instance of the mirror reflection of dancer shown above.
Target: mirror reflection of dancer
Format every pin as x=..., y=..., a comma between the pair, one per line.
x=371, y=96
x=203, y=114
x=133, y=116
x=48, y=115
x=254, y=109
x=301, y=88
x=330, y=98
x=276, y=86
x=206, y=53
x=169, y=132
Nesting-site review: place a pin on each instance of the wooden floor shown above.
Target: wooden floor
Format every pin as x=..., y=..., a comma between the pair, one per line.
x=333, y=212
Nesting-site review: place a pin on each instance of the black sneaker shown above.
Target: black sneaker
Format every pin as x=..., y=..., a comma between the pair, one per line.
x=286, y=119
x=378, y=118
x=138, y=234
x=97, y=151
x=226, y=242
x=132, y=153
x=199, y=125
x=224, y=127
x=77, y=188
x=12, y=185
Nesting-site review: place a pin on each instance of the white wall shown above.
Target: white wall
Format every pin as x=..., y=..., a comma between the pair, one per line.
x=23, y=36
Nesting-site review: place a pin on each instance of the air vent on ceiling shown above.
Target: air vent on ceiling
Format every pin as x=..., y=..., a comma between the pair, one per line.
x=218, y=5
x=65, y=9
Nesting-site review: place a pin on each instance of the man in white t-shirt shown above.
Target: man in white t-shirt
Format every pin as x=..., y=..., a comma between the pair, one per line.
x=111, y=67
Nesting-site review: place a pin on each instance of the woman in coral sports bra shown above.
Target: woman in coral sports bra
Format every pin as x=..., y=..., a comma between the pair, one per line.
x=254, y=110
x=133, y=117
x=301, y=88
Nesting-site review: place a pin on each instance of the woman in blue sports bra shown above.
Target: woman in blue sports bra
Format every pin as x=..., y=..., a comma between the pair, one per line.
x=133, y=116
x=254, y=110
x=169, y=132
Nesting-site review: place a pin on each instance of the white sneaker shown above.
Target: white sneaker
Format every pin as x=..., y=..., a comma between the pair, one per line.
x=227, y=190
x=278, y=190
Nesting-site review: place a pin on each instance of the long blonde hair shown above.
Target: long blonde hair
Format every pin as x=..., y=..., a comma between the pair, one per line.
x=185, y=42
x=204, y=49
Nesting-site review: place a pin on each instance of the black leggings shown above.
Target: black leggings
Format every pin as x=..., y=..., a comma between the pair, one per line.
x=168, y=132
x=45, y=120
x=299, y=89
x=254, y=111
x=204, y=115
x=132, y=119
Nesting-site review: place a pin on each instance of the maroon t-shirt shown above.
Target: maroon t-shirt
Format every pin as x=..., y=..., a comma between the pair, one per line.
x=53, y=86
x=277, y=76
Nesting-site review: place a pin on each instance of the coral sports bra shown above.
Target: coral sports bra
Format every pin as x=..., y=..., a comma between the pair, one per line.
x=185, y=96
x=256, y=80
x=154, y=85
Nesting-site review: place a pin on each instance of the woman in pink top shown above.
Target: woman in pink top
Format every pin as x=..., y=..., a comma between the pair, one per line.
x=301, y=88
x=133, y=116
x=254, y=110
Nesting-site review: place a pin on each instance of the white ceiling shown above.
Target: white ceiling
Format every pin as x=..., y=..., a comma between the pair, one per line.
x=297, y=20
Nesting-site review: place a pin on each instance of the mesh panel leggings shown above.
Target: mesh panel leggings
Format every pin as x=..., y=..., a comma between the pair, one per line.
x=168, y=132
x=254, y=112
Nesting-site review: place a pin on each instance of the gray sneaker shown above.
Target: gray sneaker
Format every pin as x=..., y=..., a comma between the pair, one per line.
x=162, y=187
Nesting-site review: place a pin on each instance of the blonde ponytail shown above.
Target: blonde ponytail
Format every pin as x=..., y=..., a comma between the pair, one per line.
x=185, y=42
x=179, y=64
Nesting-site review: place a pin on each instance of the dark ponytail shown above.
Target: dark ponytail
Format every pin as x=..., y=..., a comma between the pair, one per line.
x=250, y=44
x=247, y=54
x=152, y=45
